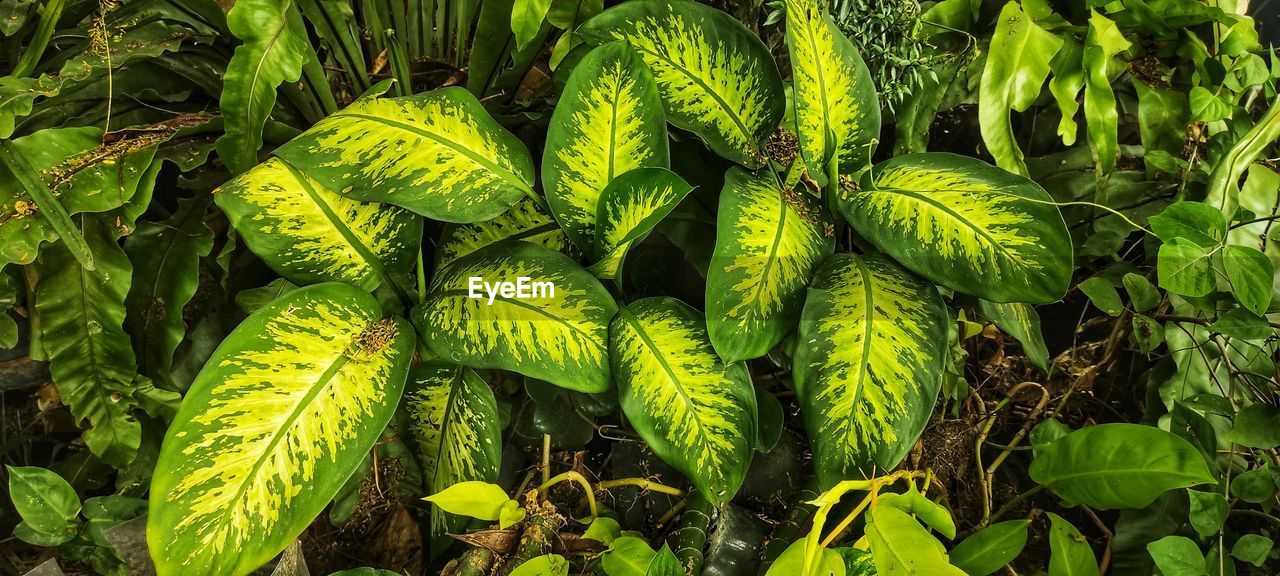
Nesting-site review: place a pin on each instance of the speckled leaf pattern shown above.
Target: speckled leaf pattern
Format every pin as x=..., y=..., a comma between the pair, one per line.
x=696, y=412
x=278, y=419
x=608, y=121
x=768, y=241
x=453, y=418
x=438, y=154
x=966, y=225
x=834, y=94
x=716, y=78
x=559, y=335
x=524, y=221
x=868, y=364
x=309, y=234
x=630, y=208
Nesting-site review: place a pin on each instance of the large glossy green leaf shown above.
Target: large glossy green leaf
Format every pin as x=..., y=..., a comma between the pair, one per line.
x=82, y=313
x=768, y=241
x=166, y=271
x=273, y=50
x=991, y=548
x=716, y=78
x=525, y=221
x=631, y=206
x=438, y=153
x=1016, y=67
x=281, y=415
x=309, y=234
x=868, y=364
x=902, y=547
x=1111, y=466
x=609, y=121
x=82, y=174
x=558, y=335
x=696, y=412
x=965, y=224
x=835, y=98
x=454, y=421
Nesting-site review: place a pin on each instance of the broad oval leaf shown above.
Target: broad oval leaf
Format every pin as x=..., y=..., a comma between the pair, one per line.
x=631, y=206
x=609, y=121
x=278, y=419
x=1069, y=551
x=525, y=221
x=901, y=546
x=768, y=242
x=835, y=97
x=696, y=412
x=454, y=421
x=1111, y=466
x=868, y=364
x=991, y=548
x=309, y=234
x=558, y=333
x=274, y=49
x=1014, y=72
x=965, y=224
x=716, y=78
x=438, y=154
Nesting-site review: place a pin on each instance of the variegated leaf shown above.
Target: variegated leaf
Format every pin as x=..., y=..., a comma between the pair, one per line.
x=454, y=421
x=556, y=331
x=768, y=241
x=525, y=221
x=275, y=423
x=438, y=153
x=608, y=121
x=965, y=224
x=309, y=234
x=716, y=78
x=868, y=364
x=835, y=97
x=630, y=207
x=696, y=412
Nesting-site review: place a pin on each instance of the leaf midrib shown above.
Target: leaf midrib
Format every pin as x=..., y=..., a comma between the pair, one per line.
x=950, y=212
x=737, y=122
x=539, y=309
x=631, y=319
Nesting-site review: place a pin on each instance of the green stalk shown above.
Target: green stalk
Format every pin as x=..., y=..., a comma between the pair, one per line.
x=690, y=537
x=49, y=16
x=318, y=83
x=413, y=32
x=47, y=205
x=375, y=18
x=399, y=64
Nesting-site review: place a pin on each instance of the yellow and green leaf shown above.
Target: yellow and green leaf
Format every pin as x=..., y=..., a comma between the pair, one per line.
x=438, y=154
x=309, y=234
x=559, y=335
x=525, y=221
x=454, y=421
x=608, y=121
x=768, y=241
x=275, y=423
x=965, y=224
x=631, y=206
x=696, y=412
x=868, y=364
x=835, y=97
x=716, y=78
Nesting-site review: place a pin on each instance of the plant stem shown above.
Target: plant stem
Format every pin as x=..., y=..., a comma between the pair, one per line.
x=572, y=476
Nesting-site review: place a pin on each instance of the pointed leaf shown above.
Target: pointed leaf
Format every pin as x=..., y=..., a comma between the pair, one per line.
x=524, y=221
x=273, y=50
x=281, y=415
x=309, y=234
x=965, y=224
x=1023, y=323
x=768, y=241
x=716, y=78
x=631, y=206
x=902, y=547
x=1016, y=67
x=1103, y=42
x=455, y=425
x=89, y=355
x=609, y=121
x=1069, y=551
x=558, y=335
x=868, y=364
x=697, y=413
x=834, y=93
x=991, y=548
x=438, y=154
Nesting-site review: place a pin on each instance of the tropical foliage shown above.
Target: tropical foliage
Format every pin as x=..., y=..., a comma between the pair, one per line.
x=640, y=288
